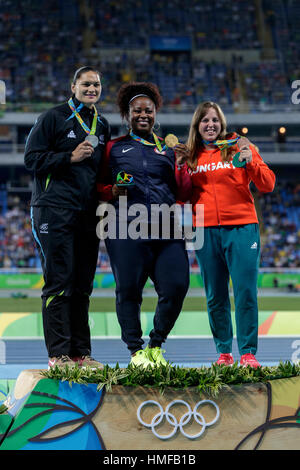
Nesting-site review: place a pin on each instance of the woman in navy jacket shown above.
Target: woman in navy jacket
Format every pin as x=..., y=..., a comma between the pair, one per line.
x=155, y=253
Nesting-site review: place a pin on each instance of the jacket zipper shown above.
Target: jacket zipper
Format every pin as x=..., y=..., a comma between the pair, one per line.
x=215, y=195
x=145, y=164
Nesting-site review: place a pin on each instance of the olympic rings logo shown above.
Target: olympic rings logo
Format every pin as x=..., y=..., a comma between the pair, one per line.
x=184, y=420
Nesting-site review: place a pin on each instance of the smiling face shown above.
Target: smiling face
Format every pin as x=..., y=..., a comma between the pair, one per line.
x=87, y=88
x=141, y=116
x=210, y=125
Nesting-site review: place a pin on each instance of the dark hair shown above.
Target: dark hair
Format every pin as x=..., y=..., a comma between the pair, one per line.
x=82, y=70
x=131, y=89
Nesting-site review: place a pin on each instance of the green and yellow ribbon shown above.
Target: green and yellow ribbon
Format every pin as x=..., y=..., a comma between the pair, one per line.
x=145, y=142
x=75, y=113
x=223, y=144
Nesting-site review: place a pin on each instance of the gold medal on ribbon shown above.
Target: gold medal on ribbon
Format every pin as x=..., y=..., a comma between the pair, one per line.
x=171, y=140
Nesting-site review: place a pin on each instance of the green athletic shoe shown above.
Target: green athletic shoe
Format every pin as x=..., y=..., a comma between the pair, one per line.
x=156, y=355
x=140, y=359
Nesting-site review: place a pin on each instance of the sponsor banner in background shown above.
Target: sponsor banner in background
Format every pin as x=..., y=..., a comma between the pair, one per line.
x=106, y=280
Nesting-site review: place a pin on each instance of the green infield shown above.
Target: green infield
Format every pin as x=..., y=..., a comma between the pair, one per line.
x=189, y=323
x=21, y=317
x=107, y=304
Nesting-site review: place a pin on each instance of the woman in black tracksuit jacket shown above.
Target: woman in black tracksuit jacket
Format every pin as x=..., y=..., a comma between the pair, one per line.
x=156, y=177
x=63, y=209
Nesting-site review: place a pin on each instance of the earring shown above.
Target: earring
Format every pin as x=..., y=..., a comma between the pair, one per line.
x=157, y=123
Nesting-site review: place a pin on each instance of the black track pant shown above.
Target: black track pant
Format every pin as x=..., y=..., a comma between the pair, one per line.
x=68, y=248
x=132, y=262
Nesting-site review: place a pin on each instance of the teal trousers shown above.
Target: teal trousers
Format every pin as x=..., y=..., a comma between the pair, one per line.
x=231, y=251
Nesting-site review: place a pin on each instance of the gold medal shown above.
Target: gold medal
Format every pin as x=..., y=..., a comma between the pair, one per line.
x=171, y=140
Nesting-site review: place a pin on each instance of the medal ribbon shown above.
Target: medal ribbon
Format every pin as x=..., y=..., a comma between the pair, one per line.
x=75, y=113
x=223, y=144
x=145, y=142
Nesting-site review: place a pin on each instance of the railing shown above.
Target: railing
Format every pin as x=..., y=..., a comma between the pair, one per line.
x=264, y=146
x=110, y=107
x=194, y=270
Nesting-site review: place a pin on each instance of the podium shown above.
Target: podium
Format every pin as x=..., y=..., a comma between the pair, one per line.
x=48, y=414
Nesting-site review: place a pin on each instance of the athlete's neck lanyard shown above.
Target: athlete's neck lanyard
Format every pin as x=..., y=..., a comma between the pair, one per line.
x=145, y=142
x=75, y=113
x=222, y=144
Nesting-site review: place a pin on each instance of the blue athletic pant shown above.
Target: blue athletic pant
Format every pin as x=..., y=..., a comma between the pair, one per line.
x=231, y=251
x=132, y=262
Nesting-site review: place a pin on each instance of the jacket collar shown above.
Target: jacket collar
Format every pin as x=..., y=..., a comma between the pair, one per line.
x=84, y=110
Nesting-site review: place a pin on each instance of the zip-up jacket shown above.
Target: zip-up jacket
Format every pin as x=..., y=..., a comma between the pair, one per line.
x=156, y=176
x=57, y=181
x=224, y=189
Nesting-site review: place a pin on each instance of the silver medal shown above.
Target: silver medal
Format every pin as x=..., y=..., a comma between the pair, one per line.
x=93, y=139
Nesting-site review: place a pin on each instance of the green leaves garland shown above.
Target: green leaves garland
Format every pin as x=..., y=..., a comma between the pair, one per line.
x=208, y=380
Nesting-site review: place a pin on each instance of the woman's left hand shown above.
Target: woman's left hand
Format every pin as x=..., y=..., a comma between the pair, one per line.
x=181, y=153
x=245, y=154
x=244, y=148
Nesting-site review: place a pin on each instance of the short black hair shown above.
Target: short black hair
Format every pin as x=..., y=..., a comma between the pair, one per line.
x=82, y=70
x=131, y=89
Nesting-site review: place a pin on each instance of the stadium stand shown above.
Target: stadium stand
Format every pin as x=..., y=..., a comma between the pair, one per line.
x=37, y=68
x=243, y=55
x=281, y=226
x=16, y=244
x=280, y=229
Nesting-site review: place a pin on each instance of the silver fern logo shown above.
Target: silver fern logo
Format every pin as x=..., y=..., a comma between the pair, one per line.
x=44, y=228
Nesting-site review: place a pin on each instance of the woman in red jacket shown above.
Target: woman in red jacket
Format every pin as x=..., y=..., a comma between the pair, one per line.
x=231, y=248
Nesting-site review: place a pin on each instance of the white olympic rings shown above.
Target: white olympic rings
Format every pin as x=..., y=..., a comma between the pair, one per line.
x=185, y=418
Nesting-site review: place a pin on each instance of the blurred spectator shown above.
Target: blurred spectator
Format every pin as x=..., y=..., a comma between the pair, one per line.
x=281, y=222
x=115, y=38
x=16, y=242
x=280, y=213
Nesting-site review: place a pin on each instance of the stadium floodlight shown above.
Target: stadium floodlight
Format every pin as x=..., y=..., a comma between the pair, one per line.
x=243, y=130
x=281, y=135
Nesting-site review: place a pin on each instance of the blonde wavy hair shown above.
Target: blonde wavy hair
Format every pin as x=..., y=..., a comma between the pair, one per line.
x=195, y=143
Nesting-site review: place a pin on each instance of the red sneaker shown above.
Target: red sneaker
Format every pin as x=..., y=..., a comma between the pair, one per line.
x=225, y=359
x=249, y=360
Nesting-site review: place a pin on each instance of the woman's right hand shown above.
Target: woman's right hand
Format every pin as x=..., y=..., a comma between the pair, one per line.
x=83, y=150
x=182, y=153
